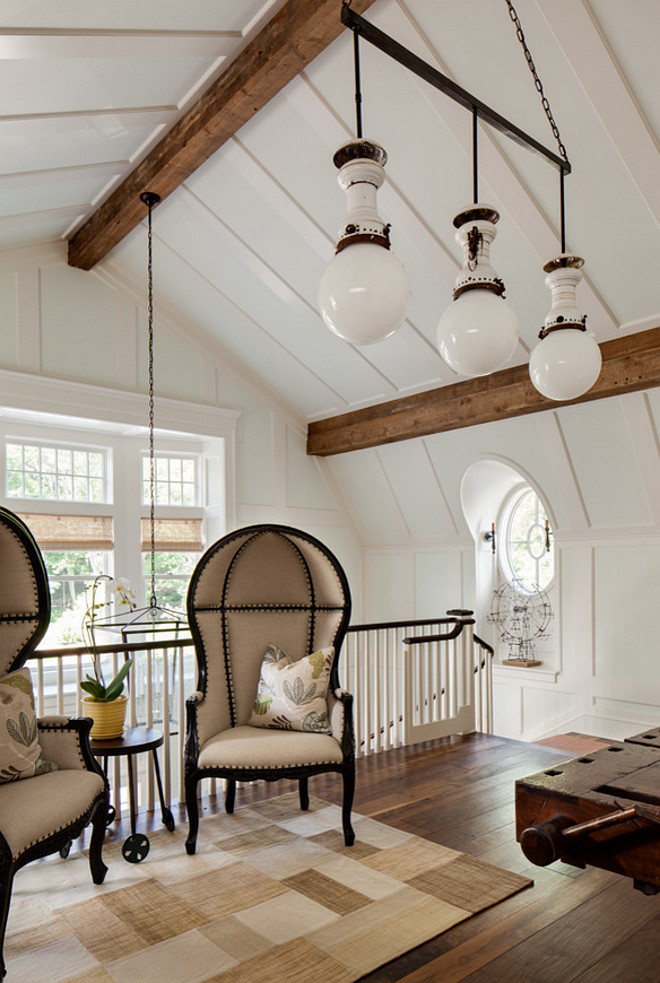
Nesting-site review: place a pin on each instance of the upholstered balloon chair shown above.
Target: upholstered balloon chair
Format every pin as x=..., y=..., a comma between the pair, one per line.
x=263, y=599
x=42, y=807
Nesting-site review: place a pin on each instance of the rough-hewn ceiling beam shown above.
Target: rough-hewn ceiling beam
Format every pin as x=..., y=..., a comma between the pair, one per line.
x=285, y=46
x=630, y=363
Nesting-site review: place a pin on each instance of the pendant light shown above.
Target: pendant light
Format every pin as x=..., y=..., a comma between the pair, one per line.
x=567, y=360
x=152, y=618
x=364, y=293
x=478, y=332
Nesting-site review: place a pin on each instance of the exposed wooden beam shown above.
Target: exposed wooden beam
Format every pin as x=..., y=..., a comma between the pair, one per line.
x=299, y=31
x=630, y=363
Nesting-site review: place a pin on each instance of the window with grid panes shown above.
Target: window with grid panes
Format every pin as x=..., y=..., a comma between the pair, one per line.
x=175, y=480
x=528, y=556
x=55, y=472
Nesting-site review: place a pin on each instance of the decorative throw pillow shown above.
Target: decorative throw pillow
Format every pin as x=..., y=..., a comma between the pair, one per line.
x=20, y=750
x=293, y=694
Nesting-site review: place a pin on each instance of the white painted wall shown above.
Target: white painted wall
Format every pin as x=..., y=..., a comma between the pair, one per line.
x=394, y=515
x=597, y=469
x=62, y=329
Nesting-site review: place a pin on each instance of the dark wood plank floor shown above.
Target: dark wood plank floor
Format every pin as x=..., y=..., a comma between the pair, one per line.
x=572, y=926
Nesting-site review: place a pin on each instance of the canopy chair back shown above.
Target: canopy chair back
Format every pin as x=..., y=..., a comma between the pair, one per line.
x=257, y=586
x=24, y=594
x=43, y=813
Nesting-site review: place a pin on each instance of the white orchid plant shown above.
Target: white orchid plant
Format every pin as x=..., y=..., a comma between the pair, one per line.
x=117, y=591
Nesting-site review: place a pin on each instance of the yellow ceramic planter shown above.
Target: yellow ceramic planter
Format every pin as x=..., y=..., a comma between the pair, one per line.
x=108, y=717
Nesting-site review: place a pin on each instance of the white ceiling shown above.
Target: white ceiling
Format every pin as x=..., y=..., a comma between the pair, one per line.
x=87, y=88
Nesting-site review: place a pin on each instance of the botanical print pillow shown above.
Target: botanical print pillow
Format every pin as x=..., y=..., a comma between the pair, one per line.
x=293, y=695
x=20, y=750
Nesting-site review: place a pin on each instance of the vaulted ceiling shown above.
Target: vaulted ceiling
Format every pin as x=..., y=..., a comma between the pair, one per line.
x=87, y=91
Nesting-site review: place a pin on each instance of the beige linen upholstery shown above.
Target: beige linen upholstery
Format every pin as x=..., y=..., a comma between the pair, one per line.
x=245, y=747
x=65, y=796
x=259, y=586
x=42, y=814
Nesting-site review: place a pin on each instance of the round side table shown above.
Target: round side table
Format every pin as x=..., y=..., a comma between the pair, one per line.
x=134, y=740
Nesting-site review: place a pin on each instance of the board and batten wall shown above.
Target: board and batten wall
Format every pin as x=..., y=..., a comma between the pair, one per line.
x=400, y=517
x=423, y=506
x=61, y=326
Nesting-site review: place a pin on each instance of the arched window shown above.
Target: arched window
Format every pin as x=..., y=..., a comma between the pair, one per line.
x=528, y=556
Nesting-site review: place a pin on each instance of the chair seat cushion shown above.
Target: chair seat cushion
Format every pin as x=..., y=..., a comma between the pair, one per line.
x=252, y=747
x=38, y=807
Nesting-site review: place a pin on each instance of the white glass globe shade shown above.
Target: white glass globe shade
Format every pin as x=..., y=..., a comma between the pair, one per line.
x=478, y=333
x=565, y=364
x=364, y=293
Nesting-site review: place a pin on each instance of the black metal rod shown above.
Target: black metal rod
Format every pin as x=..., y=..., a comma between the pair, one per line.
x=425, y=71
x=358, y=89
x=562, y=210
x=475, y=162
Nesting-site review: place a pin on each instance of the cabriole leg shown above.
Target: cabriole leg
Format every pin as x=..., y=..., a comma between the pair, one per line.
x=6, y=878
x=230, y=795
x=193, y=812
x=97, y=868
x=347, y=804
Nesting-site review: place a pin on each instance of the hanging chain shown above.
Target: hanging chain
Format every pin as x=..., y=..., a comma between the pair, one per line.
x=537, y=81
x=150, y=328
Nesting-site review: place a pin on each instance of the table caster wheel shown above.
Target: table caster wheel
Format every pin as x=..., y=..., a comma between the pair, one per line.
x=135, y=848
x=168, y=820
x=110, y=816
x=64, y=851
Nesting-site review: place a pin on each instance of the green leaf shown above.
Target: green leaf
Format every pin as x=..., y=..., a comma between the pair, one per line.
x=114, y=689
x=105, y=694
x=94, y=688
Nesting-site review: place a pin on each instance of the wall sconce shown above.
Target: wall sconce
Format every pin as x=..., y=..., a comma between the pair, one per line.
x=490, y=537
x=364, y=293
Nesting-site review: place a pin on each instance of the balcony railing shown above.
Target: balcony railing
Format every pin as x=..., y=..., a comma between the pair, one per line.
x=405, y=675
x=411, y=680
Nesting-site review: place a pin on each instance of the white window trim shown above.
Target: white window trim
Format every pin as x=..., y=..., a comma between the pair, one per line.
x=503, y=526
x=112, y=417
x=81, y=406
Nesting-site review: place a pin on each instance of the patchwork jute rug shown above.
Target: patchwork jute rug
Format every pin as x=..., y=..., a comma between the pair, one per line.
x=271, y=894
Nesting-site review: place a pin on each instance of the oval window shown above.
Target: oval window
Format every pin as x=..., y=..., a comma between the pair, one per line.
x=528, y=558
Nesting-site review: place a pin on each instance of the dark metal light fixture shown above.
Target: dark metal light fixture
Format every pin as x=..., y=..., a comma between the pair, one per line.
x=478, y=332
x=153, y=618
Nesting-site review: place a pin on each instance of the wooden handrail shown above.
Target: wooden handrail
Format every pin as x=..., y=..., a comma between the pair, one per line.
x=413, y=623
x=57, y=653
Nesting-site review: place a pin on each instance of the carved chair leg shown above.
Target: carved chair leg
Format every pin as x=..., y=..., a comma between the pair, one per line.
x=230, y=795
x=97, y=868
x=304, y=794
x=193, y=812
x=6, y=879
x=347, y=804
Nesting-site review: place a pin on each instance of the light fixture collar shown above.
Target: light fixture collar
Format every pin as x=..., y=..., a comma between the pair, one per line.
x=361, y=173
x=563, y=278
x=475, y=231
x=360, y=150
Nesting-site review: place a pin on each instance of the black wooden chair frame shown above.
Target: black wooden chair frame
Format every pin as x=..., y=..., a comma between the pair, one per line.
x=300, y=773
x=77, y=729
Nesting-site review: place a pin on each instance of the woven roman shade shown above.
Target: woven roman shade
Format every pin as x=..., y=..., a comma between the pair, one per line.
x=70, y=532
x=170, y=535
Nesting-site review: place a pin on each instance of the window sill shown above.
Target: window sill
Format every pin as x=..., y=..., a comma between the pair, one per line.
x=537, y=674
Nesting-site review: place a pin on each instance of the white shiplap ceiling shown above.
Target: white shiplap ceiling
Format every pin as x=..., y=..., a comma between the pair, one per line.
x=87, y=88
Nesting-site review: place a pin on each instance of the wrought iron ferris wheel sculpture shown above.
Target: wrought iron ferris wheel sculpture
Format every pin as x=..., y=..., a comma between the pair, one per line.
x=521, y=618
